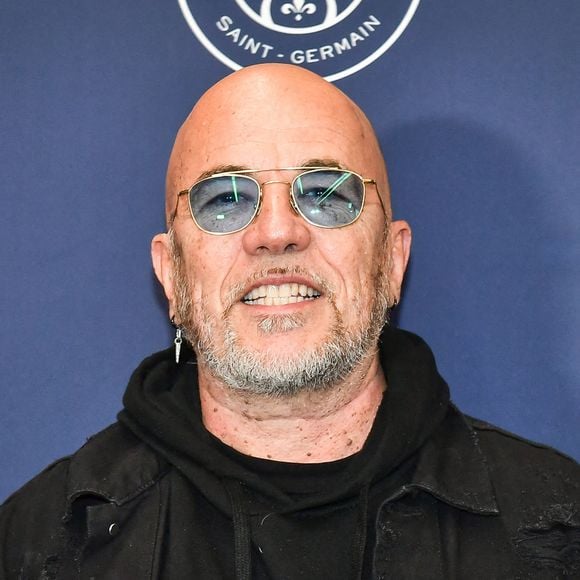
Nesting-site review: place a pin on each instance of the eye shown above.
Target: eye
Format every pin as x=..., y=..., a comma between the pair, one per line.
x=322, y=197
x=227, y=198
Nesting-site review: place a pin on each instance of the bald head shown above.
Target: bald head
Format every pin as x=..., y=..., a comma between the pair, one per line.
x=273, y=115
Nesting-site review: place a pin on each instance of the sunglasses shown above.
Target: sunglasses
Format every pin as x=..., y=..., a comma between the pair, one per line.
x=326, y=197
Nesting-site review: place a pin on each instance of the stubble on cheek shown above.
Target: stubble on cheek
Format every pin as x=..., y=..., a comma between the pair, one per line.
x=185, y=309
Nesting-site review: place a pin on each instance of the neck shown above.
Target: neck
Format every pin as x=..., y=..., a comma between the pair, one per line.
x=308, y=428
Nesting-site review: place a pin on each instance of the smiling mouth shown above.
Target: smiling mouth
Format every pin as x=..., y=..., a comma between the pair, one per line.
x=281, y=294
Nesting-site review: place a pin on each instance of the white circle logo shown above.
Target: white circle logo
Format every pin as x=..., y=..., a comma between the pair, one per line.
x=334, y=38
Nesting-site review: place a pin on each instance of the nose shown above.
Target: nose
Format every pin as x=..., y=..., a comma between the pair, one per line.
x=277, y=229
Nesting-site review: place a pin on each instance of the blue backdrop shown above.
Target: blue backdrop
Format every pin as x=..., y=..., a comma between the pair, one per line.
x=476, y=104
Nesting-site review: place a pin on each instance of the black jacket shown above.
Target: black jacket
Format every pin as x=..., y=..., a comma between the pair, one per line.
x=464, y=500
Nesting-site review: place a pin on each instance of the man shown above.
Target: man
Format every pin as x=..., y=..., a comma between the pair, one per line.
x=300, y=437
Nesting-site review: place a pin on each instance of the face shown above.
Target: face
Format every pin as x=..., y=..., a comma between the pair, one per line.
x=282, y=306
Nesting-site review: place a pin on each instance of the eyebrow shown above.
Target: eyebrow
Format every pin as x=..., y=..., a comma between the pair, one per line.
x=314, y=162
x=221, y=169
x=324, y=162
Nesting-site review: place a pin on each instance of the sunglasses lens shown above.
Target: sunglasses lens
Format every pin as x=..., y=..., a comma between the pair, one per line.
x=329, y=198
x=224, y=204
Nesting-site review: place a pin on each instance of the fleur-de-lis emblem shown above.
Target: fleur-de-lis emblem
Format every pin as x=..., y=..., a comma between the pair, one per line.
x=298, y=7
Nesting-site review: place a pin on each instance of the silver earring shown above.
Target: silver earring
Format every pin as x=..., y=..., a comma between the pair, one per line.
x=395, y=303
x=177, y=340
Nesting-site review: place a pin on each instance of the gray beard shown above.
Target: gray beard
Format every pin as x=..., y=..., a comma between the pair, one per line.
x=260, y=373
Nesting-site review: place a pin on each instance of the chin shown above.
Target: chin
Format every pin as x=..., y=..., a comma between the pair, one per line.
x=285, y=323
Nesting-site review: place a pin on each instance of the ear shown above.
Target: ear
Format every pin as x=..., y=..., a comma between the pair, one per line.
x=163, y=267
x=400, y=249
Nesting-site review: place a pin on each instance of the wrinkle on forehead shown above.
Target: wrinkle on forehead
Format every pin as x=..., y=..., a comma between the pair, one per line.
x=266, y=107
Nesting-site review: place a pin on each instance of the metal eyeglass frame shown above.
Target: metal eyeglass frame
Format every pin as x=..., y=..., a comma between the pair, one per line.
x=303, y=170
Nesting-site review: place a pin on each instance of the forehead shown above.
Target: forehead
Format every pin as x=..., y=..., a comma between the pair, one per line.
x=272, y=133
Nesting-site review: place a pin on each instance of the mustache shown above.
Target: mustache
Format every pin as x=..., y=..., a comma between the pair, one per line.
x=237, y=291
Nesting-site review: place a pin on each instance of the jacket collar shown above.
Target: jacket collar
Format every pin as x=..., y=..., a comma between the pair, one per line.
x=452, y=467
x=450, y=464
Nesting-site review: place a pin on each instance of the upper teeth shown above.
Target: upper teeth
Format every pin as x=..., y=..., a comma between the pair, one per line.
x=274, y=295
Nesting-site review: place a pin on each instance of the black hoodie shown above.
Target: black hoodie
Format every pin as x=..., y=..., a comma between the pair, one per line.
x=257, y=518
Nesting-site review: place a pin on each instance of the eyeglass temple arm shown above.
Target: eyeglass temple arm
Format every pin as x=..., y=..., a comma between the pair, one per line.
x=174, y=213
x=378, y=193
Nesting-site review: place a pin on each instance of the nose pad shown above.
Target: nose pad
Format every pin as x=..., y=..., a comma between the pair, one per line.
x=293, y=204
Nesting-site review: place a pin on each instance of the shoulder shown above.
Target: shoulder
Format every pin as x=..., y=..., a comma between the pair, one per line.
x=113, y=465
x=509, y=474
x=45, y=493
x=511, y=457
